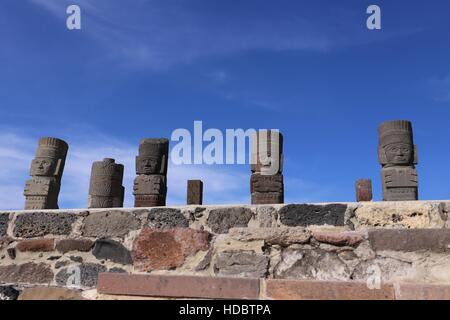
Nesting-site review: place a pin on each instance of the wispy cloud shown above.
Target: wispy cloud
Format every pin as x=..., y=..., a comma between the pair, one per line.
x=440, y=87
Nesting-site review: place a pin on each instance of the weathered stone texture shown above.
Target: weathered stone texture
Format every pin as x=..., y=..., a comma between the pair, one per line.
x=178, y=286
x=111, y=250
x=163, y=218
x=167, y=249
x=242, y=264
x=221, y=220
x=394, y=214
x=282, y=236
x=315, y=264
x=305, y=214
x=437, y=240
x=50, y=293
x=325, y=290
x=411, y=291
x=363, y=189
x=8, y=293
x=109, y=224
x=88, y=273
x=67, y=245
x=38, y=224
x=347, y=238
x=266, y=216
x=4, y=219
x=194, y=192
x=29, y=272
x=36, y=245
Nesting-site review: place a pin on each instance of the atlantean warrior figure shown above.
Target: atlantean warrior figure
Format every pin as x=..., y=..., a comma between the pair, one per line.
x=150, y=185
x=105, y=188
x=398, y=157
x=41, y=192
x=266, y=182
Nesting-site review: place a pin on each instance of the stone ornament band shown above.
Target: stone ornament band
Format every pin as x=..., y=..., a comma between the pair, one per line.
x=397, y=155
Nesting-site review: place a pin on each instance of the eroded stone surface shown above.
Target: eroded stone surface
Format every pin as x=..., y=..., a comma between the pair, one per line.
x=36, y=245
x=8, y=293
x=222, y=219
x=111, y=250
x=4, y=218
x=30, y=272
x=242, y=264
x=311, y=264
x=109, y=224
x=305, y=214
x=88, y=273
x=266, y=216
x=282, y=236
x=437, y=240
x=66, y=245
x=162, y=218
x=166, y=249
x=347, y=238
x=38, y=224
x=49, y=293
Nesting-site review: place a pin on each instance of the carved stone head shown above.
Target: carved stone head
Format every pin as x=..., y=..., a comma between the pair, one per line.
x=50, y=158
x=395, y=144
x=153, y=156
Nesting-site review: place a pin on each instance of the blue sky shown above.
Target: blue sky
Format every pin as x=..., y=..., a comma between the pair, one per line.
x=145, y=68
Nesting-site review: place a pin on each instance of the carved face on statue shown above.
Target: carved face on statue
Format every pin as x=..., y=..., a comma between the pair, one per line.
x=399, y=153
x=43, y=166
x=148, y=165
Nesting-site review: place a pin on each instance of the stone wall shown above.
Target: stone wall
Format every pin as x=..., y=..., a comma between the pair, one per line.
x=43, y=253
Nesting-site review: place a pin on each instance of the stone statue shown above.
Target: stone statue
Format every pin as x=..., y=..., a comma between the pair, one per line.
x=266, y=182
x=42, y=190
x=105, y=188
x=397, y=155
x=150, y=185
x=194, y=192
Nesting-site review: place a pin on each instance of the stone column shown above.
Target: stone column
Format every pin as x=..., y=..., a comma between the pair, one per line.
x=266, y=182
x=397, y=155
x=42, y=190
x=363, y=190
x=150, y=186
x=194, y=192
x=105, y=188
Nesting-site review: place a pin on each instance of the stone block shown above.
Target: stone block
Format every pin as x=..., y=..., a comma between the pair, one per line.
x=38, y=224
x=363, y=190
x=411, y=291
x=87, y=272
x=283, y=236
x=437, y=240
x=36, y=245
x=221, y=220
x=325, y=290
x=8, y=293
x=178, y=286
x=30, y=272
x=241, y=264
x=163, y=218
x=305, y=214
x=50, y=293
x=346, y=238
x=4, y=219
x=109, y=224
x=194, y=192
x=167, y=249
x=67, y=245
x=111, y=250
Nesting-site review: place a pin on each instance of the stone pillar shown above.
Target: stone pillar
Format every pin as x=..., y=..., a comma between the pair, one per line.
x=42, y=190
x=194, y=192
x=105, y=188
x=398, y=156
x=266, y=182
x=363, y=190
x=150, y=186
